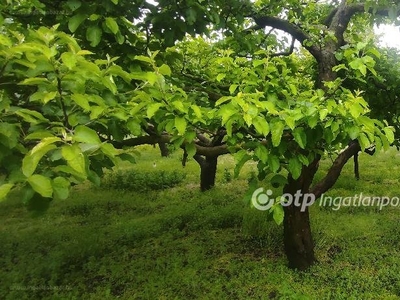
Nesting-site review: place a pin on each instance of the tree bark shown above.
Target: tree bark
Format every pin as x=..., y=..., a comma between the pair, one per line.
x=208, y=171
x=356, y=169
x=163, y=149
x=298, y=241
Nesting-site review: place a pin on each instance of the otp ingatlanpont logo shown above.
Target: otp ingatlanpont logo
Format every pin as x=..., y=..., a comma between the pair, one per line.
x=261, y=200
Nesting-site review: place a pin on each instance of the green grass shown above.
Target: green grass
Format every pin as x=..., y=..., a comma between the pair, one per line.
x=179, y=243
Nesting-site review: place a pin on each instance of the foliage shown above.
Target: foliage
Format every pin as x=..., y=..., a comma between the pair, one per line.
x=142, y=181
x=273, y=113
x=64, y=108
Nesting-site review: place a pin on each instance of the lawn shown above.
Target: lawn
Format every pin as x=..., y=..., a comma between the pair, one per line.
x=135, y=241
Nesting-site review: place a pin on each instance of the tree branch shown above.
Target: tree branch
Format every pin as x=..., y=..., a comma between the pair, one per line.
x=165, y=138
x=285, y=53
x=286, y=26
x=334, y=172
x=339, y=18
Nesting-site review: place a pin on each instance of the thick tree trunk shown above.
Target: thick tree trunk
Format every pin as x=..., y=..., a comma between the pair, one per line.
x=298, y=241
x=163, y=149
x=208, y=172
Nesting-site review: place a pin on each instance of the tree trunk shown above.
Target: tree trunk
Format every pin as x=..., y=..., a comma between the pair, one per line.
x=163, y=149
x=356, y=169
x=208, y=170
x=298, y=241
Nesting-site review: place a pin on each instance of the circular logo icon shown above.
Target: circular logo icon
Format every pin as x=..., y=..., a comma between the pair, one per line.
x=261, y=200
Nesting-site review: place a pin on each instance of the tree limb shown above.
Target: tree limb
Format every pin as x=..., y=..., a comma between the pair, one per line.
x=334, y=172
x=285, y=53
x=286, y=26
x=165, y=138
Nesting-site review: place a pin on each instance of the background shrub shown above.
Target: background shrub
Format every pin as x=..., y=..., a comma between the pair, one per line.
x=136, y=180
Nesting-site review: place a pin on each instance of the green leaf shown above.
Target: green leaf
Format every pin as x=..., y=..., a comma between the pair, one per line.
x=96, y=111
x=81, y=100
x=60, y=188
x=221, y=76
x=31, y=116
x=278, y=214
x=270, y=107
x=4, y=190
x=109, y=83
x=258, y=62
x=31, y=160
x=312, y=121
x=75, y=21
x=389, y=134
x=300, y=137
x=190, y=149
x=94, y=178
x=112, y=25
x=127, y=157
x=261, y=125
x=197, y=111
x=364, y=141
x=355, y=110
x=276, y=131
x=180, y=124
x=295, y=167
x=353, y=131
x=191, y=16
x=273, y=163
x=38, y=135
x=144, y=58
x=152, y=109
x=222, y=100
x=323, y=113
x=75, y=158
x=293, y=89
x=165, y=70
x=34, y=81
x=241, y=157
x=233, y=88
x=93, y=35
x=84, y=134
x=69, y=59
x=134, y=127
x=49, y=96
x=367, y=122
x=151, y=77
x=41, y=185
x=290, y=122
x=262, y=153
x=109, y=150
x=303, y=159
x=278, y=180
x=74, y=4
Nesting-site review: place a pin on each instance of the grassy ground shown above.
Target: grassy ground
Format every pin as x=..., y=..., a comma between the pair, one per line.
x=178, y=243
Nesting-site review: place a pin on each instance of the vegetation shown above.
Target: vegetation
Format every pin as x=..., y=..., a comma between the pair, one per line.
x=83, y=82
x=180, y=243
